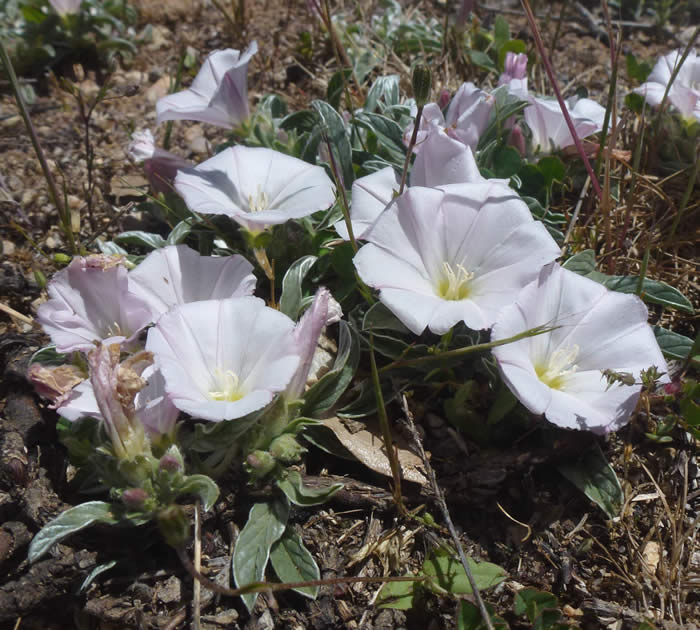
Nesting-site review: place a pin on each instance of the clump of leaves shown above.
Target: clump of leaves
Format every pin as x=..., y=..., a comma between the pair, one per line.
x=40, y=38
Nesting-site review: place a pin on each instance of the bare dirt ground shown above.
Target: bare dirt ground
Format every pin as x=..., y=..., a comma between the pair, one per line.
x=509, y=503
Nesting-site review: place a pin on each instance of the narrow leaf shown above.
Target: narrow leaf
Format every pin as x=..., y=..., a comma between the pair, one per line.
x=72, y=520
x=595, y=477
x=299, y=494
x=673, y=345
x=202, y=487
x=293, y=562
x=265, y=526
x=334, y=126
x=290, y=302
x=397, y=595
x=142, y=239
x=447, y=575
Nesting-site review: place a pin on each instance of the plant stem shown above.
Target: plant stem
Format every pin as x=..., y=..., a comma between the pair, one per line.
x=552, y=79
x=409, y=150
x=51, y=183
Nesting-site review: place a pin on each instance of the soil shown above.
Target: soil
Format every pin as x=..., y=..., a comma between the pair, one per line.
x=509, y=504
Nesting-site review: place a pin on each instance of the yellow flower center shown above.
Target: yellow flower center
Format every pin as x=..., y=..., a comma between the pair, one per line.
x=558, y=367
x=259, y=202
x=454, y=283
x=226, y=386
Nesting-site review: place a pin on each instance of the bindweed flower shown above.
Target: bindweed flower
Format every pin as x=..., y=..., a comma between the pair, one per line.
x=453, y=253
x=256, y=187
x=684, y=92
x=515, y=74
x=561, y=374
x=466, y=119
x=115, y=386
x=324, y=310
x=224, y=359
x=160, y=165
x=219, y=92
x=90, y=301
x=66, y=7
x=177, y=274
x=370, y=195
x=548, y=125
x=441, y=160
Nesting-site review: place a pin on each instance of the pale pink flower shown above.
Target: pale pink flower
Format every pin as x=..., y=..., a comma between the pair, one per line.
x=684, y=93
x=256, y=187
x=453, y=253
x=219, y=92
x=160, y=165
x=177, y=274
x=66, y=7
x=560, y=373
x=515, y=74
x=224, y=359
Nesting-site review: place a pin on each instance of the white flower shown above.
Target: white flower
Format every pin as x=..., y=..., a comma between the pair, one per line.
x=684, y=93
x=257, y=187
x=453, y=253
x=548, y=125
x=66, y=7
x=224, y=359
x=219, y=92
x=177, y=274
x=90, y=301
x=559, y=373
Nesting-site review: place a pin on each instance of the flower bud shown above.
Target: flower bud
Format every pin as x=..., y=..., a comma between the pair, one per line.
x=173, y=525
x=286, y=449
x=422, y=83
x=260, y=464
x=169, y=463
x=134, y=498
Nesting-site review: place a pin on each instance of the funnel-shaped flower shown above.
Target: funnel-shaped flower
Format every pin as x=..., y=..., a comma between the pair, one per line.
x=257, y=187
x=151, y=406
x=548, y=125
x=559, y=373
x=684, y=92
x=219, y=92
x=177, y=274
x=90, y=301
x=223, y=359
x=455, y=253
x=66, y=7
x=466, y=119
x=115, y=386
x=160, y=165
x=324, y=310
x=515, y=74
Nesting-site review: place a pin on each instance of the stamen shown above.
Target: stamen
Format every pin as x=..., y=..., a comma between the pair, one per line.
x=114, y=330
x=258, y=203
x=454, y=285
x=228, y=386
x=559, y=367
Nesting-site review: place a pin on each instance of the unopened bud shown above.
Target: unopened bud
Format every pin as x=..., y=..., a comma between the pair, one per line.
x=286, y=449
x=174, y=526
x=260, y=464
x=62, y=259
x=170, y=463
x=422, y=83
x=134, y=498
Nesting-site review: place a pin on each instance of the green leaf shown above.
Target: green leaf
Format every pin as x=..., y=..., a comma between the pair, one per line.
x=582, y=263
x=293, y=562
x=595, y=477
x=265, y=526
x=506, y=162
x=141, y=239
x=501, y=32
x=181, y=231
x=541, y=608
x=202, y=487
x=637, y=71
x=388, y=132
x=384, y=92
x=299, y=494
x=290, y=302
x=469, y=618
x=673, y=345
x=48, y=356
x=446, y=573
x=110, y=248
x=481, y=59
x=379, y=317
x=513, y=45
x=397, y=595
x=301, y=121
x=334, y=126
x=336, y=86
x=98, y=570
x=552, y=168
x=331, y=386
x=72, y=520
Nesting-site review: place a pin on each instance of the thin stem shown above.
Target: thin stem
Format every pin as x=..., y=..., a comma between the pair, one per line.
x=552, y=79
x=51, y=183
x=386, y=431
x=260, y=587
x=461, y=352
x=686, y=198
x=340, y=186
x=440, y=496
x=409, y=151
x=197, y=586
